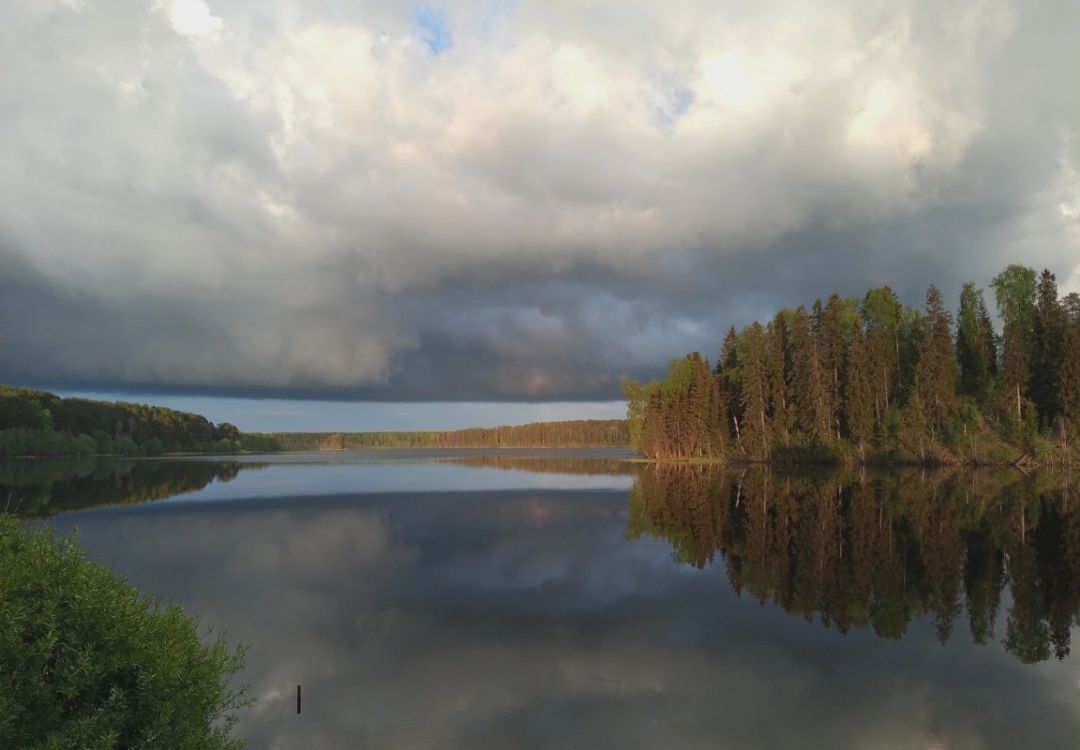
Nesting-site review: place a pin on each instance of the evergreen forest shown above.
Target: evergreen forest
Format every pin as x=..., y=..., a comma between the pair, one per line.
x=871, y=380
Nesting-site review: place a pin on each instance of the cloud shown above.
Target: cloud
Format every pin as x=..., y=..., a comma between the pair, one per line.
x=509, y=619
x=512, y=200
x=193, y=18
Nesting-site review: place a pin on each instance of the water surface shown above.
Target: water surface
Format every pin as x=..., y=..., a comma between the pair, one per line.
x=577, y=600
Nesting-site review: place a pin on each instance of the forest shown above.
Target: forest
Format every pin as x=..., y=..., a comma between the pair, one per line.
x=583, y=433
x=870, y=380
x=39, y=423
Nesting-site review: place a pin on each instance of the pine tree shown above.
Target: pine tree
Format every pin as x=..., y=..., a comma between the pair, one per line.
x=808, y=389
x=858, y=405
x=1071, y=306
x=1069, y=380
x=753, y=391
x=991, y=339
x=653, y=443
x=777, y=368
x=701, y=395
x=881, y=313
x=674, y=391
x=910, y=337
x=726, y=365
x=936, y=369
x=1047, y=356
x=828, y=331
x=975, y=352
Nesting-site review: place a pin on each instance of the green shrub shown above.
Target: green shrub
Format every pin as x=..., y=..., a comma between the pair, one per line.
x=88, y=662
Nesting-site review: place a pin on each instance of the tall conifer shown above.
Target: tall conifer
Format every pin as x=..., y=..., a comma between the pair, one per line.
x=881, y=312
x=812, y=415
x=975, y=350
x=936, y=368
x=777, y=368
x=1047, y=355
x=858, y=404
x=753, y=390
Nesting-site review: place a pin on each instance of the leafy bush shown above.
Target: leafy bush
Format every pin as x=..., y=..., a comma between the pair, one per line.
x=88, y=662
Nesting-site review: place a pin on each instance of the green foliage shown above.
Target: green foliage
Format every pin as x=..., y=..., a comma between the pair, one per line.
x=38, y=423
x=678, y=378
x=877, y=381
x=637, y=397
x=581, y=433
x=976, y=350
x=1014, y=292
x=88, y=662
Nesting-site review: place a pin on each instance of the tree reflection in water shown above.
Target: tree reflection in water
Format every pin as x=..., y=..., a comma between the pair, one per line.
x=39, y=488
x=876, y=551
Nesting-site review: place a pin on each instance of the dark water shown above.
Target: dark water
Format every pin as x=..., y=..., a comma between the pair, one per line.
x=577, y=600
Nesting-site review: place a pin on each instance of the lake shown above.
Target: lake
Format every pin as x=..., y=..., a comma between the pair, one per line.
x=575, y=599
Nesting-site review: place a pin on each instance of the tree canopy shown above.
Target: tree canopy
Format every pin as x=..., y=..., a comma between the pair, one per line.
x=872, y=379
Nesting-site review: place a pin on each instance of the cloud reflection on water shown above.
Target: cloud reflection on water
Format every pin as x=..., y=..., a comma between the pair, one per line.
x=525, y=619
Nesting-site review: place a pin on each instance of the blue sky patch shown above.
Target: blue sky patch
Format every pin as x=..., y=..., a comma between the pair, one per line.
x=433, y=29
x=677, y=105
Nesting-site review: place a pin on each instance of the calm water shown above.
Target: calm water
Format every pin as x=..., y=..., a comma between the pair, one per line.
x=577, y=600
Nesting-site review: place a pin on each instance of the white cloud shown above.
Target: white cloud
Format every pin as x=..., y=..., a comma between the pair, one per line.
x=193, y=18
x=239, y=163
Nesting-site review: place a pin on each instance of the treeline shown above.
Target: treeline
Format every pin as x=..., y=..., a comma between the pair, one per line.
x=583, y=465
x=861, y=551
x=38, y=423
x=873, y=380
x=585, y=433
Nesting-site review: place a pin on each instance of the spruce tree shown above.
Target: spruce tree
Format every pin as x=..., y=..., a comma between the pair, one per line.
x=652, y=431
x=808, y=388
x=828, y=330
x=726, y=365
x=1069, y=378
x=753, y=391
x=701, y=394
x=777, y=369
x=936, y=368
x=881, y=312
x=858, y=407
x=974, y=345
x=1071, y=306
x=1047, y=356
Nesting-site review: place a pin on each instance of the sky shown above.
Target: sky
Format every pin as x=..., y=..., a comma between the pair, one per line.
x=501, y=202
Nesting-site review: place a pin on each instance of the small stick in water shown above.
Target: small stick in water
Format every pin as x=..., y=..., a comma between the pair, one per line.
x=298, y=699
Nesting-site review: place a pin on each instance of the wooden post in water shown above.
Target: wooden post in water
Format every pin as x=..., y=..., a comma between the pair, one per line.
x=297, y=700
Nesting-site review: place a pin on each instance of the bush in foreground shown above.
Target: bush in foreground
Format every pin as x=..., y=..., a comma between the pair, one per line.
x=87, y=661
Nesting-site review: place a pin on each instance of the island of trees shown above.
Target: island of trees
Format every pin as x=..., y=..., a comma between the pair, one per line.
x=872, y=380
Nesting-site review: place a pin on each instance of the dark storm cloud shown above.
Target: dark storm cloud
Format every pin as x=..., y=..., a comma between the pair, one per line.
x=250, y=198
